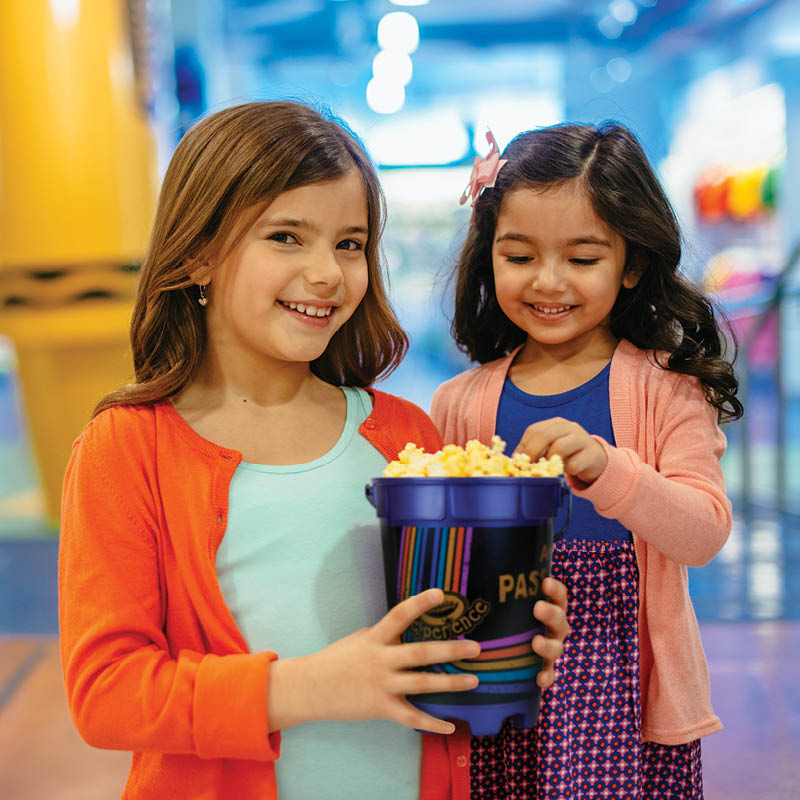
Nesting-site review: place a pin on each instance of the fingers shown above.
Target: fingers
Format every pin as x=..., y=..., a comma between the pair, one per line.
x=406, y=714
x=553, y=617
x=422, y=654
x=583, y=457
x=538, y=439
x=546, y=676
x=556, y=591
x=549, y=649
x=430, y=682
x=403, y=614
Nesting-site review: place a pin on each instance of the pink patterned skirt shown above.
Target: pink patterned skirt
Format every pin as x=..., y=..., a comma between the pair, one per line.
x=587, y=743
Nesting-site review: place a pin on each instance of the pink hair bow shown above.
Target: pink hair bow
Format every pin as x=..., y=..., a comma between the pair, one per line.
x=484, y=172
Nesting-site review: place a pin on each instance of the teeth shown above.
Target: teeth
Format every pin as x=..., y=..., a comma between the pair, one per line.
x=552, y=310
x=311, y=311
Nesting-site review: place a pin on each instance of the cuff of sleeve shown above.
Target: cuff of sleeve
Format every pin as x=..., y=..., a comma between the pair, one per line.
x=615, y=485
x=230, y=708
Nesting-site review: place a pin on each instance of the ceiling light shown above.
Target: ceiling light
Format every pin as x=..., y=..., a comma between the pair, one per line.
x=393, y=66
x=385, y=97
x=619, y=69
x=610, y=27
x=398, y=30
x=624, y=11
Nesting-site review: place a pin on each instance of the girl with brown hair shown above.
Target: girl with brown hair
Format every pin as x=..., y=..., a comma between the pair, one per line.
x=213, y=511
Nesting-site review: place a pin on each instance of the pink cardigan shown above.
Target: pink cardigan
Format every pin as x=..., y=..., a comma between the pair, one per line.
x=663, y=482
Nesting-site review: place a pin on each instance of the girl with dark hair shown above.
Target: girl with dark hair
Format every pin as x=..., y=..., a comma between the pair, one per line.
x=593, y=346
x=213, y=511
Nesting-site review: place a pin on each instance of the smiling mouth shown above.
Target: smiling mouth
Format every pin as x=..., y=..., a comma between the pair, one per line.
x=309, y=310
x=551, y=309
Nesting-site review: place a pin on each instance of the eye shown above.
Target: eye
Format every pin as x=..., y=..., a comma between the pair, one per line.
x=584, y=262
x=283, y=237
x=351, y=245
x=519, y=259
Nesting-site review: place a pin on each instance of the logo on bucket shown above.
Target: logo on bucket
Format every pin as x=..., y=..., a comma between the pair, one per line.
x=455, y=616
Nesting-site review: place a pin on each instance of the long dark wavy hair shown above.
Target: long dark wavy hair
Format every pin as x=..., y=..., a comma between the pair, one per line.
x=227, y=169
x=663, y=313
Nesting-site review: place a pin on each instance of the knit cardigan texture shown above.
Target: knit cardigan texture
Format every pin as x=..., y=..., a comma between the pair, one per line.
x=663, y=481
x=153, y=661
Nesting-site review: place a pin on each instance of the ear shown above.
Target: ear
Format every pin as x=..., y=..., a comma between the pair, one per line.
x=631, y=277
x=199, y=271
x=633, y=270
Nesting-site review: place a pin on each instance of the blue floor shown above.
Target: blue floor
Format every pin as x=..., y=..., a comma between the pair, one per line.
x=28, y=586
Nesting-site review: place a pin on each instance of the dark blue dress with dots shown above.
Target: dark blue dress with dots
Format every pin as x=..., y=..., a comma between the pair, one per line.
x=587, y=743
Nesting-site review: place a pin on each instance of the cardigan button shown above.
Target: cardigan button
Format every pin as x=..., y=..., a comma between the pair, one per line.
x=461, y=761
x=369, y=424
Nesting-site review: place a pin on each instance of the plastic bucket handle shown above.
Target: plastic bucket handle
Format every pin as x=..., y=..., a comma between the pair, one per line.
x=557, y=536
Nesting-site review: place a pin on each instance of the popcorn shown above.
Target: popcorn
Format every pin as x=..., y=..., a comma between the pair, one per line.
x=474, y=460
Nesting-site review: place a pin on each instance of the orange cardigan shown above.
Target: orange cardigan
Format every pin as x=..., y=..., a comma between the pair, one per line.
x=153, y=661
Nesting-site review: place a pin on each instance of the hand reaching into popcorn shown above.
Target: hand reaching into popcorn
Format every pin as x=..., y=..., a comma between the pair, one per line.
x=582, y=455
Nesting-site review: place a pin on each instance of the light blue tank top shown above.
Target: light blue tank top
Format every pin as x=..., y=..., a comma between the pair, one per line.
x=300, y=566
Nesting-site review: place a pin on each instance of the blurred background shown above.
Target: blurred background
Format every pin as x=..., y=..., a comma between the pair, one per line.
x=94, y=96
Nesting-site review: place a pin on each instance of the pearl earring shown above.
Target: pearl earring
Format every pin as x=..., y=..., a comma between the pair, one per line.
x=203, y=300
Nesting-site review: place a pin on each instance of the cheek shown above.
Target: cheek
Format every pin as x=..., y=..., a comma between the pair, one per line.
x=507, y=285
x=357, y=285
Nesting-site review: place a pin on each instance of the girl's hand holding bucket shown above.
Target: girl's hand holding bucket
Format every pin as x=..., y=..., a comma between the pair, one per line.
x=367, y=674
x=553, y=616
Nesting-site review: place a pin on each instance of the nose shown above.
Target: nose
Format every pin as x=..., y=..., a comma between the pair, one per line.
x=548, y=277
x=324, y=270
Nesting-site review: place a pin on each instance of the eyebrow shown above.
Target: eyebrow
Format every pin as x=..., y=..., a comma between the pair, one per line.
x=589, y=240
x=513, y=236
x=305, y=224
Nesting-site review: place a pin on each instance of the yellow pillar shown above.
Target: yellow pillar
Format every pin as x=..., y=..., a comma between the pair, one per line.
x=77, y=189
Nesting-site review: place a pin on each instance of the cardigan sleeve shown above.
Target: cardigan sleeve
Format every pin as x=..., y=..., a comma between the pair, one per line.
x=395, y=422
x=678, y=505
x=126, y=690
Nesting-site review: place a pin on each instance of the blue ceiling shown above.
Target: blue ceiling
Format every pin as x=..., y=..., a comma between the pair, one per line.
x=305, y=28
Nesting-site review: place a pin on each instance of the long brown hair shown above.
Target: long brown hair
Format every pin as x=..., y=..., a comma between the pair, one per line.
x=243, y=158
x=663, y=312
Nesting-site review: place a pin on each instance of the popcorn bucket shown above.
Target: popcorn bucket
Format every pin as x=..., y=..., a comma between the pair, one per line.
x=488, y=543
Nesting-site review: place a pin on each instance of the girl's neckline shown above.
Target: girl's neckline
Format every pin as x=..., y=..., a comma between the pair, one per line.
x=345, y=438
x=210, y=448
x=561, y=397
